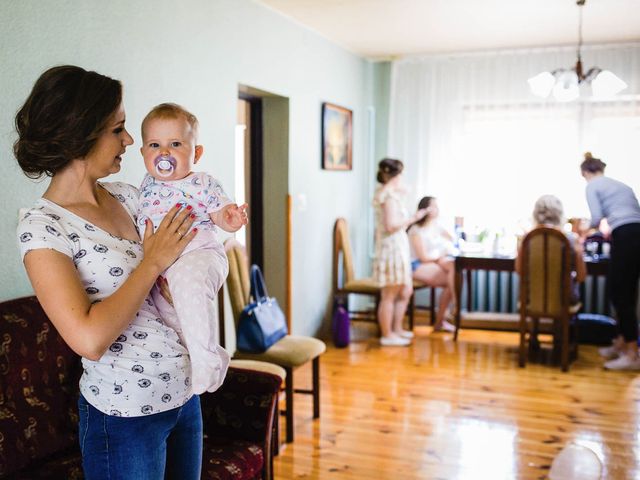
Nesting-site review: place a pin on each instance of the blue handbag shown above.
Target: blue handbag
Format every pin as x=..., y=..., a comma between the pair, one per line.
x=262, y=322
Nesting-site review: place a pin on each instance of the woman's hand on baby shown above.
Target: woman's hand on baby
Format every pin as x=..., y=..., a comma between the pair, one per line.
x=236, y=216
x=164, y=246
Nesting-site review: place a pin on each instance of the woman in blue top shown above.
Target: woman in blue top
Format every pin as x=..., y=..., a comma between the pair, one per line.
x=615, y=201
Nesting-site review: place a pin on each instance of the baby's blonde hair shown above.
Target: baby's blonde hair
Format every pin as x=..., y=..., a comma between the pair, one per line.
x=171, y=111
x=548, y=210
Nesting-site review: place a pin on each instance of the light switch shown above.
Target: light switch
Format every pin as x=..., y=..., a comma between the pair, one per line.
x=301, y=200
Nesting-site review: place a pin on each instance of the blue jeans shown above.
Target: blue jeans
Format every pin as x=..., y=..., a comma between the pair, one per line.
x=165, y=445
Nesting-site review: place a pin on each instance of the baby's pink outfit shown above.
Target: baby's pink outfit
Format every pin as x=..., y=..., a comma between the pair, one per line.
x=196, y=276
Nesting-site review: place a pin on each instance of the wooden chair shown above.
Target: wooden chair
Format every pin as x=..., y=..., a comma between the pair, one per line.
x=346, y=283
x=545, y=292
x=289, y=352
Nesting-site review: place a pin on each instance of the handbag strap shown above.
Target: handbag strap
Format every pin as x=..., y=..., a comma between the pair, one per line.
x=258, y=287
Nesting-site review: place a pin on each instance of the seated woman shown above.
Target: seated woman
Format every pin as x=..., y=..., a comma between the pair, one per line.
x=548, y=212
x=431, y=246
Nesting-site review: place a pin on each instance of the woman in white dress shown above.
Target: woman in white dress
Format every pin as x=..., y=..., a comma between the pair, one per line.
x=391, y=266
x=431, y=263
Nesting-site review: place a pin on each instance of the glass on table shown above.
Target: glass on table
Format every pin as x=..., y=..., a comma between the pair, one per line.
x=591, y=247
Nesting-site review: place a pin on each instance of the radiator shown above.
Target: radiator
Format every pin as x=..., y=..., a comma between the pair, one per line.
x=493, y=291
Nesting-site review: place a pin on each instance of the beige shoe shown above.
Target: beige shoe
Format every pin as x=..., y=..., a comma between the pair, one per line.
x=445, y=327
x=623, y=362
x=610, y=352
x=394, y=342
x=405, y=334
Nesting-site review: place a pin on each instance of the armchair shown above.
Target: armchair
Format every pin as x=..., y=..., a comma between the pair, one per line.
x=39, y=416
x=238, y=420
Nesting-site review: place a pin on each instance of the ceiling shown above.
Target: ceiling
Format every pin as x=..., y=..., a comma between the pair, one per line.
x=380, y=29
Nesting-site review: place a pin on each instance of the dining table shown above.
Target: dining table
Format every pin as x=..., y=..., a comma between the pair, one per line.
x=466, y=263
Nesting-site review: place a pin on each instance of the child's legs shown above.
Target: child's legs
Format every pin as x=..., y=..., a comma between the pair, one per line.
x=400, y=307
x=431, y=274
x=436, y=275
x=194, y=281
x=386, y=306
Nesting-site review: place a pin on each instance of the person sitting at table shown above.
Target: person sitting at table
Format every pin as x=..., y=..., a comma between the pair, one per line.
x=617, y=203
x=548, y=212
x=431, y=263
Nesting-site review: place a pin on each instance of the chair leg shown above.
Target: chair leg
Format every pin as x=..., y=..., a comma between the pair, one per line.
x=574, y=336
x=412, y=310
x=432, y=306
x=289, y=400
x=565, y=343
x=375, y=313
x=534, y=342
x=523, y=340
x=316, y=387
x=276, y=429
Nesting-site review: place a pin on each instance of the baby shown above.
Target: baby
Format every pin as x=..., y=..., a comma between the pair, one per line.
x=169, y=137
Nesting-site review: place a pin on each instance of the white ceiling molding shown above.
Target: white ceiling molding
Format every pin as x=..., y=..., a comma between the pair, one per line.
x=383, y=29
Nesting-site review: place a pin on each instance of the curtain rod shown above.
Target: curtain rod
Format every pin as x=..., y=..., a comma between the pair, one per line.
x=512, y=51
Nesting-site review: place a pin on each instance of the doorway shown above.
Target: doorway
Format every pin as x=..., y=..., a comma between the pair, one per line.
x=262, y=175
x=248, y=175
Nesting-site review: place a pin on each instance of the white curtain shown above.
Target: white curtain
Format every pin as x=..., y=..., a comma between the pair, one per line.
x=470, y=132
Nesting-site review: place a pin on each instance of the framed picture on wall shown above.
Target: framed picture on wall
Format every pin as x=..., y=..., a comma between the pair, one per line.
x=337, y=137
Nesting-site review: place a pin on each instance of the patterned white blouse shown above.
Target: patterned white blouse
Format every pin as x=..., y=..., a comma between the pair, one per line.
x=392, y=263
x=146, y=370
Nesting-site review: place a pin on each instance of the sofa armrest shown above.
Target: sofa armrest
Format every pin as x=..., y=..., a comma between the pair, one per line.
x=243, y=408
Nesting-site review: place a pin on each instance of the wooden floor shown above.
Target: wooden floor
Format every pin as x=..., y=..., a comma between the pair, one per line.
x=441, y=410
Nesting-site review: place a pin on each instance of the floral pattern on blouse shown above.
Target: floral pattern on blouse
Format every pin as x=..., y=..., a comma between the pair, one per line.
x=146, y=369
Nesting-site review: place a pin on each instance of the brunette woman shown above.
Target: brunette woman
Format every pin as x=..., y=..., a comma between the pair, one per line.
x=92, y=274
x=392, y=265
x=617, y=203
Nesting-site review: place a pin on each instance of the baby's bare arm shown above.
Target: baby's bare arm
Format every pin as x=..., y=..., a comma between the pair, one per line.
x=230, y=218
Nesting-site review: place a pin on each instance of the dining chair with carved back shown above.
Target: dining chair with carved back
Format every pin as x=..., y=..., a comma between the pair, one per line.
x=545, y=292
x=345, y=282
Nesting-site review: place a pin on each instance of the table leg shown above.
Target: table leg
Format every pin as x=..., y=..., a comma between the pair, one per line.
x=458, y=296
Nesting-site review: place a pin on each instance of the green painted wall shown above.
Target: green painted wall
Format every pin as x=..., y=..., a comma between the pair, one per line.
x=381, y=86
x=197, y=52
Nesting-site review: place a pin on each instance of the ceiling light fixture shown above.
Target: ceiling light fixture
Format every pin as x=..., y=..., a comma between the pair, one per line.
x=566, y=84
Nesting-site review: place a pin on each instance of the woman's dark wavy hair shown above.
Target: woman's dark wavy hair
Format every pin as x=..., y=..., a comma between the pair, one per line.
x=424, y=203
x=388, y=168
x=591, y=164
x=62, y=118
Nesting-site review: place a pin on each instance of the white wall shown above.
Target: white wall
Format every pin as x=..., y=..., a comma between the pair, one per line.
x=195, y=52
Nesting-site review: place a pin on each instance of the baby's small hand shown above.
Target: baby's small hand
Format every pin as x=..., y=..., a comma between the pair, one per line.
x=236, y=216
x=163, y=287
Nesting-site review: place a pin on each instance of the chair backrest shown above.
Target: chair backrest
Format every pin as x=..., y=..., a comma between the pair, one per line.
x=342, y=256
x=545, y=280
x=238, y=283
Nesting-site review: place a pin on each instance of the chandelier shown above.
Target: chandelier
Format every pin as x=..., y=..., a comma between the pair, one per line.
x=566, y=84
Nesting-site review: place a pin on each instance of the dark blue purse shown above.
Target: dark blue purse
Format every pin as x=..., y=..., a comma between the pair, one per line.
x=262, y=322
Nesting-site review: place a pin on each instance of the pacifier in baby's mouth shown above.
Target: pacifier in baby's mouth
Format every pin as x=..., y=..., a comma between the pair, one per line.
x=165, y=165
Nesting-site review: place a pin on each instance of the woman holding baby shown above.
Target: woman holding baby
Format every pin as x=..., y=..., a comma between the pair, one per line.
x=92, y=274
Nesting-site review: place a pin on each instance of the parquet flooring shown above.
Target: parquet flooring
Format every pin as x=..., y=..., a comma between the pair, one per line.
x=441, y=410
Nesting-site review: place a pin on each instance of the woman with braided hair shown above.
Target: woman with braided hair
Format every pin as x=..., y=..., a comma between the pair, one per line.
x=392, y=262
